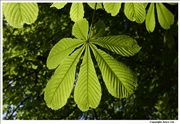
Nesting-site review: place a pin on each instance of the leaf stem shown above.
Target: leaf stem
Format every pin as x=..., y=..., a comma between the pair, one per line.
x=92, y=21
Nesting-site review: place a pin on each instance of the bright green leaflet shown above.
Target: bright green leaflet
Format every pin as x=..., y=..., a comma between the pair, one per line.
x=61, y=84
x=112, y=8
x=119, y=79
x=76, y=11
x=135, y=12
x=19, y=13
x=165, y=17
x=61, y=50
x=88, y=89
x=80, y=29
x=150, y=18
x=92, y=5
x=98, y=30
x=58, y=5
x=120, y=44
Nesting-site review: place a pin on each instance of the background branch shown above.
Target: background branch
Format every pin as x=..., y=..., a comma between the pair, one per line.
x=18, y=107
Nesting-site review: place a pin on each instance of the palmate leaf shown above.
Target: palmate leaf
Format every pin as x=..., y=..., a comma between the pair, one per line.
x=58, y=5
x=80, y=29
x=61, y=50
x=119, y=79
x=61, y=84
x=88, y=90
x=135, y=12
x=120, y=44
x=112, y=8
x=17, y=14
x=165, y=17
x=150, y=18
x=76, y=11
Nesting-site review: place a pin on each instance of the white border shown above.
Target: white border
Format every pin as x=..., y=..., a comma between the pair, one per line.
x=80, y=121
x=43, y=1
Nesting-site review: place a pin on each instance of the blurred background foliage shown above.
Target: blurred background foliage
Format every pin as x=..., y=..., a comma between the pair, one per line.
x=25, y=74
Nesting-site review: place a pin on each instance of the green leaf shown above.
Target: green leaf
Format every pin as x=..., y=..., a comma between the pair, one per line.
x=92, y=5
x=150, y=18
x=120, y=44
x=61, y=50
x=61, y=84
x=76, y=11
x=112, y=8
x=80, y=29
x=169, y=39
x=88, y=90
x=174, y=29
x=98, y=30
x=17, y=14
x=58, y=5
x=135, y=12
x=165, y=17
x=119, y=79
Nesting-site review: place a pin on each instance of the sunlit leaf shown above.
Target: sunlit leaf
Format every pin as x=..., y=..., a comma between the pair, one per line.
x=135, y=12
x=150, y=18
x=61, y=83
x=17, y=14
x=58, y=5
x=165, y=17
x=119, y=79
x=76, y=11
x=112, y=8
x=88, y=90
x=80, y=29
x=61, y=50
x=120, y=44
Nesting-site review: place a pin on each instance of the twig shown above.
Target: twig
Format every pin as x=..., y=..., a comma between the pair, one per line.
x=17, y=107
x=92, y=21
x=95, y=114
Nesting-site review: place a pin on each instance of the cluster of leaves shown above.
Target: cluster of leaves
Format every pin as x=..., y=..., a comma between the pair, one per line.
x=123, y=79
x=19, y=13
x=133, y=11
x=154, y=71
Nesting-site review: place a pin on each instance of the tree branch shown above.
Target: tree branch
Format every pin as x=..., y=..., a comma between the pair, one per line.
x=18, y=107
x=92, y=21
x=95, y=114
